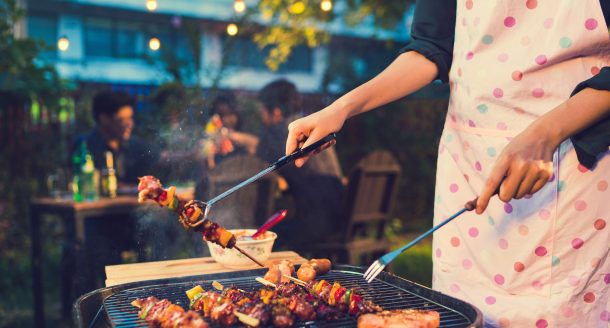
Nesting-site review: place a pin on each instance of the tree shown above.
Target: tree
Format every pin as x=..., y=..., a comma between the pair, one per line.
x=290, y=23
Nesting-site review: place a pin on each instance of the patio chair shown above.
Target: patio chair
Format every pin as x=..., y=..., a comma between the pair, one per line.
x=368, y=203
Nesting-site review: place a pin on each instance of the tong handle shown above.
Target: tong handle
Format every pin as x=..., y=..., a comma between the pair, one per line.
x=300, y=152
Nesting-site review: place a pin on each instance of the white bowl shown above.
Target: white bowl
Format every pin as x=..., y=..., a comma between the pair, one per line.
x=260, y=249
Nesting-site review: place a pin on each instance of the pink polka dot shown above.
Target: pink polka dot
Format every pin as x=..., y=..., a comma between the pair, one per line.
x=531, y=4
x=595, y=70
x=503, y=58
x=602, y=185
x=599, y=224
x=438, y=252
x=573, y=281
x=478, y=166
x=517, y=75
x=508, y=208
x=519, y=267
x=567, y=311
x=490, y=300
x=469, y=55
x=541, y=60
x=456, y=157
x=501, y=126
x=604, y=316
x=503, y=243
x=455, y=241
x=589, y=297
x=467, y=264
x=538, y=93
x=454, y=288
x=548, y=23
x=540, y=251
x=591, y=24
x=582, y=168
x=544, y=214
x=499, y=279
x=471, y=123
x=541, y=323
x=537, y=285
x=577, y=243
x=580, y=205
x=469, y=4
x=453, y=188
x=510, y=21
x=498, y=93
x=523, y=230
x=607, y=279
x=473, y=232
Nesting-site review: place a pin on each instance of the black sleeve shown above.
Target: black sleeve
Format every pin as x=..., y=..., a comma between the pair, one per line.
x=432, y=33
x=595, y=139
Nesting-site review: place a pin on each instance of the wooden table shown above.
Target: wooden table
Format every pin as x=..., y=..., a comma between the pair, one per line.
x=125, y=273
x=74, y=216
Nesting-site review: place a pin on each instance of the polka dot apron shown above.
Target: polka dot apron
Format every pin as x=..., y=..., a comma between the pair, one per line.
x=541, y=261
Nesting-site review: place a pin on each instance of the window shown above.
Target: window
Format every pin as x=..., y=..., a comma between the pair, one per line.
x=98, y=38
x=44, y=28
x=243, y=52
x=128, y=42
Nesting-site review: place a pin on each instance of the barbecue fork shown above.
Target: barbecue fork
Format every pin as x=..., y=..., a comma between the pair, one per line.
x=378, y=266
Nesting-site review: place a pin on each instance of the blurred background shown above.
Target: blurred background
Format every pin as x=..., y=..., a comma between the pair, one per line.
x=174, y=58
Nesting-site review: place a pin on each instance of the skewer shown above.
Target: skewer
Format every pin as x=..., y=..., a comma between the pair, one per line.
x=295, y=280
x=265, y=282
x=248, y=256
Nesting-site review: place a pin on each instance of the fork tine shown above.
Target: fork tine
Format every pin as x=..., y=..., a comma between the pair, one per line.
x=371, y=268
x=375, y=274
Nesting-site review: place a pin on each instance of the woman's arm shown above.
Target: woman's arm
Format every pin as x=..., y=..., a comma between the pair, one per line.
x=525, y=165
x=407, y=74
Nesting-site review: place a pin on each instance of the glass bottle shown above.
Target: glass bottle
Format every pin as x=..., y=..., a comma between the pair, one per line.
x=108, y=177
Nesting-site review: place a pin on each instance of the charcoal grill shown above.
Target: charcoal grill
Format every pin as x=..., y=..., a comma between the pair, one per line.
x=110, y=307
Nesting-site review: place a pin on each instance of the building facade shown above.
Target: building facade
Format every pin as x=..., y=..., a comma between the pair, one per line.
x=122, y=42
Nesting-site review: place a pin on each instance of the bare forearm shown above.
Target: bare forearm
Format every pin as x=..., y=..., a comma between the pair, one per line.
x=576, y=114
x=407, y=74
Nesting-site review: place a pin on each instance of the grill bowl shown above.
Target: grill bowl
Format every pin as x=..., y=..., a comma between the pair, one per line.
x=110, y=307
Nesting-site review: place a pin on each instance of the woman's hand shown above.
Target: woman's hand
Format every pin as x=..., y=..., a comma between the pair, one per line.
x=524, y=166
x=307, y=130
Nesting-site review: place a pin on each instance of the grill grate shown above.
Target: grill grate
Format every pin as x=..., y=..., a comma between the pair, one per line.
x=386, y=294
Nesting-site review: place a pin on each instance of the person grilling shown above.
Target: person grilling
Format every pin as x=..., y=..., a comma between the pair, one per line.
x=528, y=115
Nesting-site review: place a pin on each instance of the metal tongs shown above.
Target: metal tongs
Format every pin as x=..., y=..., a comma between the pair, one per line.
x=278, y=164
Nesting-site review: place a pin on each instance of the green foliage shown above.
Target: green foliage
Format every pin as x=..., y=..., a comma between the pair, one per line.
x=20, y=71
x=290, y=23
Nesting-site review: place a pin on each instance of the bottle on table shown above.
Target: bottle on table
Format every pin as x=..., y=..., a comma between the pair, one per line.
x=108, y=177
x=85, y=178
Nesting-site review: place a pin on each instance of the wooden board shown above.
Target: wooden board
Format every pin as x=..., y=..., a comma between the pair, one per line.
x=125, y=273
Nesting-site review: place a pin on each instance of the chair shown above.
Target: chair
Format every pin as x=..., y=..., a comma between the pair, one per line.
x=248, y=207
x=369, y=201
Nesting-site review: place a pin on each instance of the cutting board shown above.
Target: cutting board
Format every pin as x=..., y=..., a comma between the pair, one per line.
x=125, y=273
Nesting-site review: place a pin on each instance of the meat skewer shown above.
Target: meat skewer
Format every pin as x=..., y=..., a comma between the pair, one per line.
x=164, y=314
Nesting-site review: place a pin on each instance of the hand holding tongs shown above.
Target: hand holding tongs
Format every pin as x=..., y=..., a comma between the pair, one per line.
x=278, y=164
